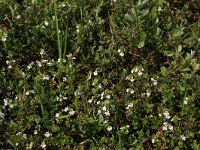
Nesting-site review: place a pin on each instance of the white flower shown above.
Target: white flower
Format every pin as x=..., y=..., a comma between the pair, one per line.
x=109, y=128
x=72, y=112
x=27, y=93
x=121, y=54
x=95, y=73
x=132, y=91
x=33, y=91
x=77, y=28
x=9, y=67
x=171, y=127
x=185, y=101
x=66, y=109
x=159, y=8
x=24, y=136
x=155, y=82
x=99, y=85
x=166, y=114
x=140, y=73
x=39, y=63
x=130, y=105
x=183, y=137
x=46, y=23
x=152, y=141
x=98, y=102
x=46, y=77
x=99, y=112
x=16, y=144
x=108, y=96
x=77, y=93
x=47, y=134
x=18, y=17
x=165, y=124
x=148, y=93
x=164, y=128
x=7, y=62
x=64, y=79
x=5, y=102
x=107, y=113
x=104, y=108
x=57, y=115
x=90, y=101
x=131, y=79
x=127, y=90
x=35, y=132
x=43, y=145
x=42, y=52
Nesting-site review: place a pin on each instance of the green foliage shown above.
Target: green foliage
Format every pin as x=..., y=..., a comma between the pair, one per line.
x=99, y=75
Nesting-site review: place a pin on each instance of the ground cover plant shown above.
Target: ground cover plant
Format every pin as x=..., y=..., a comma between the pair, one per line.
x=99, y=74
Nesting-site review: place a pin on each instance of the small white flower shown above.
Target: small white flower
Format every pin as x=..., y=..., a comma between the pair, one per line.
x=108, y=96
x=65, y=109
x=130, y=105
x=155, y=83
x=47, y=134
x=164, y=128
x=24, y=136
x=33, y=91
x=171, y=127
x=35, y=132
x=109, y=128
x=99, y=112
x=16, y=144
x=183, y=137
x=121, y=54
x=5, y=102
x=152, y=141
x=27, y=93
x=39, y=63
x=159, y=8
x=64, y=79
x=46, y=23
x=46, y=77
x=90, y=101
x=7, y=62
x=132, y=80
x=148, y=93
x=43, y=145
x=127, y=90
x=18, y=17
x=132, y=91
x=9, y=67
x=95, y=73
x=107, y=113
x=72, y=112
x=98, y=102
x=100, y=86
x=104, y=108
x=185, y=102
x=166, y=114
x=140, y=73
x=57, y=115
x=11, y=105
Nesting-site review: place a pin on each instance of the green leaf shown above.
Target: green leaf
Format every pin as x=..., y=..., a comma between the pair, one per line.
x=142, y=40
x=164, y=71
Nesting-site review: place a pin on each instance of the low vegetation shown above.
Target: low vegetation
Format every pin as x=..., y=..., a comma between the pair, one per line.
x=100, y=74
